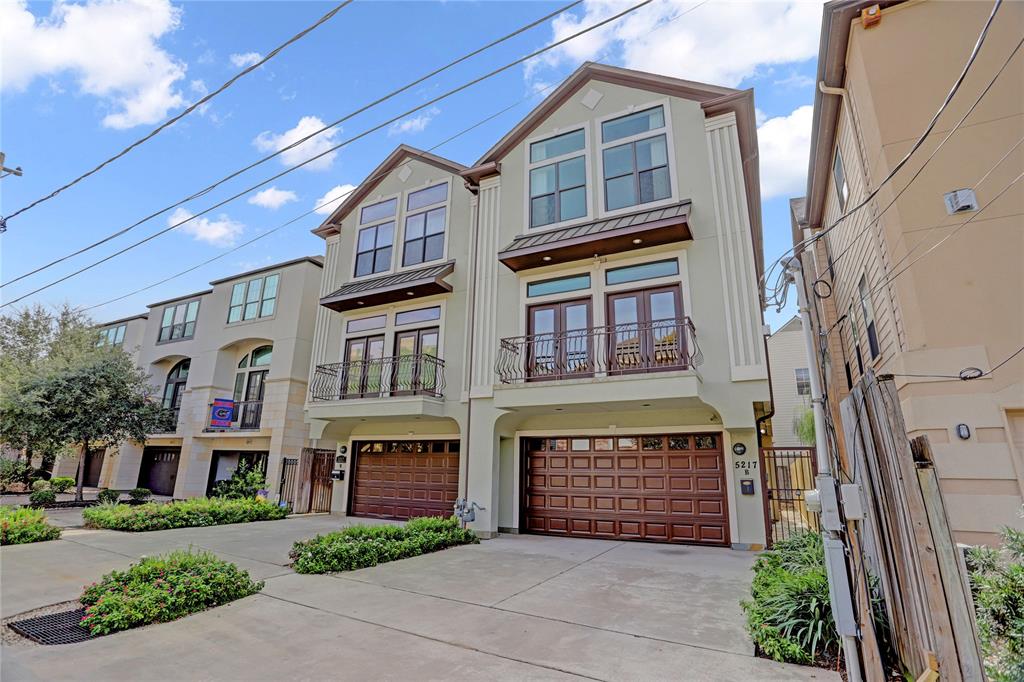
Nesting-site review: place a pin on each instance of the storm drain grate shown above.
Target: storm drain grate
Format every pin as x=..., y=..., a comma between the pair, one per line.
x=53, y=628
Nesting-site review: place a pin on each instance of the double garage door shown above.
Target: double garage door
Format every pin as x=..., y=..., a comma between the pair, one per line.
x=405, y=479
x=664, y=488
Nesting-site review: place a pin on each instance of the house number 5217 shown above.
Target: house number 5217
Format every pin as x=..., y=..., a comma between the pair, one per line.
x=746, y=464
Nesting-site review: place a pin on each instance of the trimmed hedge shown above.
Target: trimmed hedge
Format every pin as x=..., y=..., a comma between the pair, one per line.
x=184, y=514
x=62, y=484
x=38, y=498
x=364, y=546
x=163, y=588
x=21, y=525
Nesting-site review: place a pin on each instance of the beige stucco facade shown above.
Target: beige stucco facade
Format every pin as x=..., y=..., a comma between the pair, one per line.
x=493, y=404
x=218, y=352
x=943, y=294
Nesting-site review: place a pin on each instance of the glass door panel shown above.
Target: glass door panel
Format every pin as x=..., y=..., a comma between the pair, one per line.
x=560, y=339
x=647, y=329
x=542, y=347
x=626, y=351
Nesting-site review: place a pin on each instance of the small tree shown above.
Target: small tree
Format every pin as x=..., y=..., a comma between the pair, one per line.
x=98, y=403
x=803, y=425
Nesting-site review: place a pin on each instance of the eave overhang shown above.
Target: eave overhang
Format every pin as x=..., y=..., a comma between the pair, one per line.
x=620, y=234
x=400, y=286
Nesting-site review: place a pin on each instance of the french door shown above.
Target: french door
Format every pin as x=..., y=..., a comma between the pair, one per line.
x=364, y=360
x=416, y=367
x=252, y=408
x=646, y=330
x=560, y=342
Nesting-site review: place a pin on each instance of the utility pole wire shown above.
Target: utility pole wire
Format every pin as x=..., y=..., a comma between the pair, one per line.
x=386, y=123
x=296, y=143
x=174, y=119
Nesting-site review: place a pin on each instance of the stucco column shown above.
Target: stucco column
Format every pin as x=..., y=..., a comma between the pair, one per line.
x=121, y=472
x=746, y=511
x=481, y=454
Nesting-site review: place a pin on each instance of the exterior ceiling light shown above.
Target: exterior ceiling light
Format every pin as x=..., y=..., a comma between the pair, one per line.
x=638, y=240
x=546, y=258
x=409, y=293
x=359, y=302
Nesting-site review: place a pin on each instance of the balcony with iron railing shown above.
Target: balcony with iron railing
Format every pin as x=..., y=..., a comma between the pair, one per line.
x=246, y=416
x=386, y=377
x=597, y=352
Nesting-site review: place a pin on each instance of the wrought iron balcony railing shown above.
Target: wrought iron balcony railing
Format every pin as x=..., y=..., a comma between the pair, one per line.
x=600, y=351
x=379, y=378
x=246, y=417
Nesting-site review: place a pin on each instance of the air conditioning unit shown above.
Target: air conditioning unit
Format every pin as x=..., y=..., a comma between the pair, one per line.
x=961, y=201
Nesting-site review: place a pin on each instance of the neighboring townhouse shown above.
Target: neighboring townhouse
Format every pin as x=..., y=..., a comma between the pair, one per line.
x=907, y=291
x=247, y=339
x=791, y=382
x=567, y=334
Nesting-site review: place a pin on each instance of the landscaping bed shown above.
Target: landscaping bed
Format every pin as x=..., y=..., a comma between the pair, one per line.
x=163, y=588
x=182, y=514
x=23, y=525
x=997, y=583
x=364, y=546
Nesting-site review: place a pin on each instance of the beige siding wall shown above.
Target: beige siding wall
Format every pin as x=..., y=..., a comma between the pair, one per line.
x=788, y=352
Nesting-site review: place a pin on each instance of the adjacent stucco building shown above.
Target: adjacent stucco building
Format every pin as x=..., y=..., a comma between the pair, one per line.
x=566, y=334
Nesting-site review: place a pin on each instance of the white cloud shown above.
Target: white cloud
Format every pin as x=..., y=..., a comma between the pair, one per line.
x=784, y=145
x=414, y=125
x=332, y=199
x=108, y=46
x=223, y=231
x=272, y=142
x=272, y=198
x=720, y=42
x=245, y=59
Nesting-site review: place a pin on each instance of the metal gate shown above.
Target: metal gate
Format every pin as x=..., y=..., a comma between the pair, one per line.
x=786, y=475
x=321, y=483
x=289, y=481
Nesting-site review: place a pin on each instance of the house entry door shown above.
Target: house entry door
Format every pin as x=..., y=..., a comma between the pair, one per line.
x=647, y=330
x=363, y=362
x=560, y=340
x=414, y=370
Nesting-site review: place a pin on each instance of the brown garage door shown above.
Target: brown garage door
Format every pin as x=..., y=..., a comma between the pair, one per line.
x=667, y=488
x=405, y=479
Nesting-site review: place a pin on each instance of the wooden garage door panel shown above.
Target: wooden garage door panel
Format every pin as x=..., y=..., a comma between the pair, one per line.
x=672, y=490
x=405, y=479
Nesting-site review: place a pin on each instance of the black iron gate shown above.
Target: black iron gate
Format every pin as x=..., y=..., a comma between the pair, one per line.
x=289, y=481
x=786, y=475
x=321, y=483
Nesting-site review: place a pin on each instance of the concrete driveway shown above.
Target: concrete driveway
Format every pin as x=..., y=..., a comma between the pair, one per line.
x=517, y=607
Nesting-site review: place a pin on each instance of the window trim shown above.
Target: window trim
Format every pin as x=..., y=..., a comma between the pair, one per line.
x=842, y=194
x=262, y=299
x=397, y=218
x=391, y=329
x=173, y=305
x=398, y=264
x=800, y=381
x=587, y=168
x=105, y=335
x=867, y=305
x=667, y=131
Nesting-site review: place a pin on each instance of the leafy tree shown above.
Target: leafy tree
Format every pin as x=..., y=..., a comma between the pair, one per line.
x=803, y=424
x=96, y=403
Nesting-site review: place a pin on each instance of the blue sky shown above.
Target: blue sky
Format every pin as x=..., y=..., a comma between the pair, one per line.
x=81, y=80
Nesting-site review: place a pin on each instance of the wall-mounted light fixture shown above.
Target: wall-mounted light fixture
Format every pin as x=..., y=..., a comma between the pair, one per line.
x=963, y=431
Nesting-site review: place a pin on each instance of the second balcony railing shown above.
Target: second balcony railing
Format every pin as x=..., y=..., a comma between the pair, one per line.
x=379, y=377
x=642, y=347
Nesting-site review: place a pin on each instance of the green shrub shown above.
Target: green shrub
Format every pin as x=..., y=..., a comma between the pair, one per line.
x=21, y=525
x=997, y=581
x=14, y=473
x=163, y=588
x=199, y=511
x=789, y=616
x=140, y=494
x=40, y=484
x=363, y=546
x=244, y=483
x=62, y=484
x=108, y=496
x=40, y=497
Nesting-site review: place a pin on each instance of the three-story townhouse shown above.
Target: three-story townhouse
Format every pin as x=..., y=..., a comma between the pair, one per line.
x=579, y=351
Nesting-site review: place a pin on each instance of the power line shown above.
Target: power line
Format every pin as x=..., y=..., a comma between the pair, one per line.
x=967, y=373
x=295, y=219
x=899, y=165
x=296, y=143
x=341, y=144
x=174, y=119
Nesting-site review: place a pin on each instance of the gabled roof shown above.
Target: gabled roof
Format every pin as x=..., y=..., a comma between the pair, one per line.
x=401, y=152
x=794, y=324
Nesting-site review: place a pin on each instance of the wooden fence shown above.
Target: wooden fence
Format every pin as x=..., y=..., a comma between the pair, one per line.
x=905, y=544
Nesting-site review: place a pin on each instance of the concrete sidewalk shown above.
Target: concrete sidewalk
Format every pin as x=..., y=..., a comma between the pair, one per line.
x=518, y=607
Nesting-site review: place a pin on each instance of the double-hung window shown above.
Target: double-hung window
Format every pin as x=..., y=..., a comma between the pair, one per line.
x=113, y=336
x=803, y=381
x=867, y=308
x=426, y=213
x=839, y=178
x=635, y=163
x=376, y=239
x=558, y=179
x=254, y=298
x=179, y=321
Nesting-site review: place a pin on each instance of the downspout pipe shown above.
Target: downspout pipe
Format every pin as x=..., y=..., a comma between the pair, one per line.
x=840, y=592
x=474, y=188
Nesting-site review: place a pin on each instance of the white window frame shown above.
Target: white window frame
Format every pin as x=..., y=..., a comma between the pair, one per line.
x=183, y=303
x=673, y=196
x=842, y=193
x=359, y=227
x=588, y=169
x=403, y=213
x=799, y=381
x=263, y=283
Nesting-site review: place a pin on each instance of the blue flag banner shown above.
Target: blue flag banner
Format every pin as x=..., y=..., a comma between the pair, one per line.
x=222, y=413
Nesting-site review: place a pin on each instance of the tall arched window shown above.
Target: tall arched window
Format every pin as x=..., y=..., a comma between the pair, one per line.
x=249, y=386
x=174, y=389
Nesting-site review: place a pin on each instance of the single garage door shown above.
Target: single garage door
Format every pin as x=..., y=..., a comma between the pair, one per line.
x=159, y=469
x=404, y=479
x=668, y=488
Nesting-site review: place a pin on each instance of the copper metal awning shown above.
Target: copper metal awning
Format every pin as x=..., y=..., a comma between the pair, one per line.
x=638, y=230
x=399, y=286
